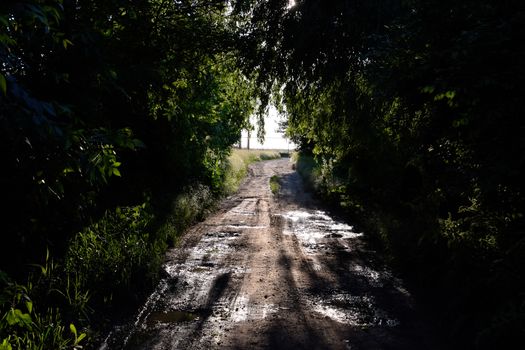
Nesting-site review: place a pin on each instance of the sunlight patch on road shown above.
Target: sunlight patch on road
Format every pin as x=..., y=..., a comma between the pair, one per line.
x=359, y=311
x=314, y=229
x=374, y=278
x=240, y=309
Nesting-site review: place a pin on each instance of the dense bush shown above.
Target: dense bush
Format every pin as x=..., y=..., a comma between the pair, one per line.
x=411, y=109
x=108, y=111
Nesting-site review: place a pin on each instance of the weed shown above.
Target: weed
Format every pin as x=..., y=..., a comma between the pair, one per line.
x=26, y=323
x=275, y=184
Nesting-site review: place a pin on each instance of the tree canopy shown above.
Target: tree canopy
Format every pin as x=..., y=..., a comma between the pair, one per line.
x=412, y=109
x=100, y=97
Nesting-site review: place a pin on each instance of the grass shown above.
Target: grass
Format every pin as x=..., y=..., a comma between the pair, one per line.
x=275, y=184
x=239, y=161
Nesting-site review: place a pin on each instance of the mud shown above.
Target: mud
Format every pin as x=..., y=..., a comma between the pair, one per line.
x=274, y=272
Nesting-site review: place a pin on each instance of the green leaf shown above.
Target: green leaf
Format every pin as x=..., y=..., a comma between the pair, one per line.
x=16, y=316
x=116, y=172
x=24, y=319
x=3, y=84
x=66, y=43
x=11, y=317
x=5, y=344
x=4, y=21
x=73, y=329
x=29, y=306
x=81, y=336
x=428, y=89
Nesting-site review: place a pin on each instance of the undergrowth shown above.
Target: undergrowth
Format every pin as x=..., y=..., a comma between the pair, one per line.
x=44, y=313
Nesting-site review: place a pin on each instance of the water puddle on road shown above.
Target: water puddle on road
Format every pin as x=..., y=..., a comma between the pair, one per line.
x=244, y=212
x=191, y=283
x=354, y=310
x=222, y=235
x=314, y=229
x=324, y=239
x=241, y=309
x=175, y=316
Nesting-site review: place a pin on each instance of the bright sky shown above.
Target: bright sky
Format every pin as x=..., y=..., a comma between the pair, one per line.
x=273, y=139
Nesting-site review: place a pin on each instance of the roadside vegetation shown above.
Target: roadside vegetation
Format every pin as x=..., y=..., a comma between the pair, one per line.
x=408, y=116
x=117, y=120
x=116, y=126
x=121, y=254
x=275, y=184
x=238, y=163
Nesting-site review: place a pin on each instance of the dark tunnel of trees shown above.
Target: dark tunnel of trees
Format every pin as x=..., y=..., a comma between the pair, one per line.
x=408, y=113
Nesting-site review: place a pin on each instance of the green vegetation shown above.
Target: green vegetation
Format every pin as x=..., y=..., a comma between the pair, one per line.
x=411, y=110
x=121, y=254
x=275, y=184
x=117, y=120
x=238, y=165
x=116, y=124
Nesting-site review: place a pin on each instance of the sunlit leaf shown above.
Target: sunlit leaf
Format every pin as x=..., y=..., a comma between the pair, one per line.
x=66, y=43
x=73, y=329
x=29, y=306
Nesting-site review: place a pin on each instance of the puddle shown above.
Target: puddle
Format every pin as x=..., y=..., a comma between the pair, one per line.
x=199, y=269
x=313, y=227
x=378, y=279
x=296, y=216
x=124, y=334
x=360, y=311
x=223, y=235
x=175, y=316
x=245, y=227
x=373, y=277
x=241, y=310
x=244, y=212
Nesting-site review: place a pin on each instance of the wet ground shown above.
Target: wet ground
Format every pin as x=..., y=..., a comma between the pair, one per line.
x=274, y=272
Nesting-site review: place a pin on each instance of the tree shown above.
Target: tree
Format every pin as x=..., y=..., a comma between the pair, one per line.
x=411, y=108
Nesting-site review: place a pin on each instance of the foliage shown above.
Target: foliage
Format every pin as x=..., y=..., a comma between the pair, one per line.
x=106, y=96
x=275, y=184
x=117, y=254
x=31, y=321
x=411, y=110
x=188, y=207
x=108, y=111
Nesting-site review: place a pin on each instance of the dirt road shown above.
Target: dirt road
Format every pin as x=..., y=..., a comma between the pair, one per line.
x=274, y=272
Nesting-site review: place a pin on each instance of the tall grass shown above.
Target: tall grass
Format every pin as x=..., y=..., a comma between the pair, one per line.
x=238, y=163
x=42, y=313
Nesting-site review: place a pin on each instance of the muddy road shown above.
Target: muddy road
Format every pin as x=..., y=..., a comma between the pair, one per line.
x=274, y=272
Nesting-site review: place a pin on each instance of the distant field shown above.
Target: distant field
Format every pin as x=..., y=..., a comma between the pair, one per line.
x=283, y=152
